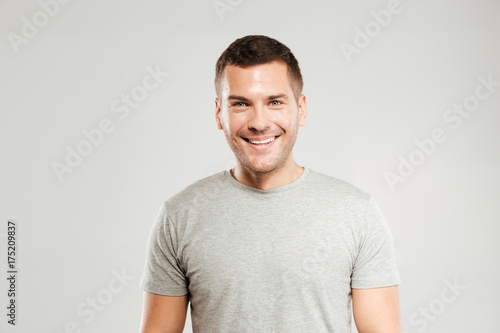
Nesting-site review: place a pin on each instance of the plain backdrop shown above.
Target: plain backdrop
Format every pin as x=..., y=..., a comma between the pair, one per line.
x=65, y=68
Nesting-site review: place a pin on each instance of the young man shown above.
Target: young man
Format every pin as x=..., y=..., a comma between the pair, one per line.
x=268, y=246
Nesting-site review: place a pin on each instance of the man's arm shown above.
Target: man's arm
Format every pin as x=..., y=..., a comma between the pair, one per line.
x=163, y=314
x=377, y=310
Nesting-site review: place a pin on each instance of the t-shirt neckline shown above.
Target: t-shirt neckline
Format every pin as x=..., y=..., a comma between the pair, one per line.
x=298, y=181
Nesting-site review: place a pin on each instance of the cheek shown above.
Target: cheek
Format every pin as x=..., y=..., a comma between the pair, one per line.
x=286, y=120
x=235, y=125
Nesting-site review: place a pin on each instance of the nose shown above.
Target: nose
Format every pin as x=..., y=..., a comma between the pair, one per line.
x=258, y=119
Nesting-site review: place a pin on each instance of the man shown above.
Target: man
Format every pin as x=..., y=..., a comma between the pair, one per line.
x=268, y=246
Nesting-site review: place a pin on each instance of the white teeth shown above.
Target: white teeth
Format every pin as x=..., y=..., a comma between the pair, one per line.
x=263, y=141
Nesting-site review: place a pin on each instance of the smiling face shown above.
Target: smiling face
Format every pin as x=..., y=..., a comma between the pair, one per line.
x=260, y=117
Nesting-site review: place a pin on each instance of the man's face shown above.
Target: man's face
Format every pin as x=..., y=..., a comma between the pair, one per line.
x=257, y=104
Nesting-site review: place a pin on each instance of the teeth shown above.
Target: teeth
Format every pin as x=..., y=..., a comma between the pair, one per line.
x=256, y=142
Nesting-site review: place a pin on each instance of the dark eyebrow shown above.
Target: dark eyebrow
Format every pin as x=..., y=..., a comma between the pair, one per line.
x=283, y=96
x=239, y=98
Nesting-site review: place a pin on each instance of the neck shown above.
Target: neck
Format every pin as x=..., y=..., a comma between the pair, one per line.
x=286, y=174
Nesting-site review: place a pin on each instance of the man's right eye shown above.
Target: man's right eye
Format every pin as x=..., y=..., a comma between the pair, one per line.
x=239, y=104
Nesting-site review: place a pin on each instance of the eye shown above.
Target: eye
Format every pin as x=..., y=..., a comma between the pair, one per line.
x=275, y=103
x=239, y=104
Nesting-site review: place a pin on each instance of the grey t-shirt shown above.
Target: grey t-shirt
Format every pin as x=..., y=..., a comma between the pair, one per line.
x=281, y=260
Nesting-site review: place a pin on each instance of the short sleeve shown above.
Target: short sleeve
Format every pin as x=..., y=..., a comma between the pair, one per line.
x=162, y=271
x=375, y=265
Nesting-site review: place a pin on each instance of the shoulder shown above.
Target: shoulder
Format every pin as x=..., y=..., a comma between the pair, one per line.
x=337, y=189
x=200, y=191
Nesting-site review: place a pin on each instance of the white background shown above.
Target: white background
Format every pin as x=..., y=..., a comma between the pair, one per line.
x=364, y=113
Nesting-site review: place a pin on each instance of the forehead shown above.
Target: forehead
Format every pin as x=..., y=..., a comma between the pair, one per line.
x=272, y=75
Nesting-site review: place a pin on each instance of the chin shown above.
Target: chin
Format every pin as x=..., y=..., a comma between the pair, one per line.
x=262, y=168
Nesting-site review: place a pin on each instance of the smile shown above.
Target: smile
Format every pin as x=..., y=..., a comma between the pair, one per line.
x=261, y=142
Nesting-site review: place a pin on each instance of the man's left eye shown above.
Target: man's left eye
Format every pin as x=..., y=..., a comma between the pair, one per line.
x=275, y=103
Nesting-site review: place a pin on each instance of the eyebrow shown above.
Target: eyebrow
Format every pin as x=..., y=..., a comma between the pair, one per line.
x=242, y=98
x=283, y=96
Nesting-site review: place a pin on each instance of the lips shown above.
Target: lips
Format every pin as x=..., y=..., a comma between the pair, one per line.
x=261, y=145
x=259, y=140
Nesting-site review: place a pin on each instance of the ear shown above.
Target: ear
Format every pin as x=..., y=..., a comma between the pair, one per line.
x=218, y=114
x=302, y=110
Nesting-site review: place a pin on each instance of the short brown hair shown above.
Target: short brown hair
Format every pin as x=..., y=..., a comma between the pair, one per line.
x=257, y=50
